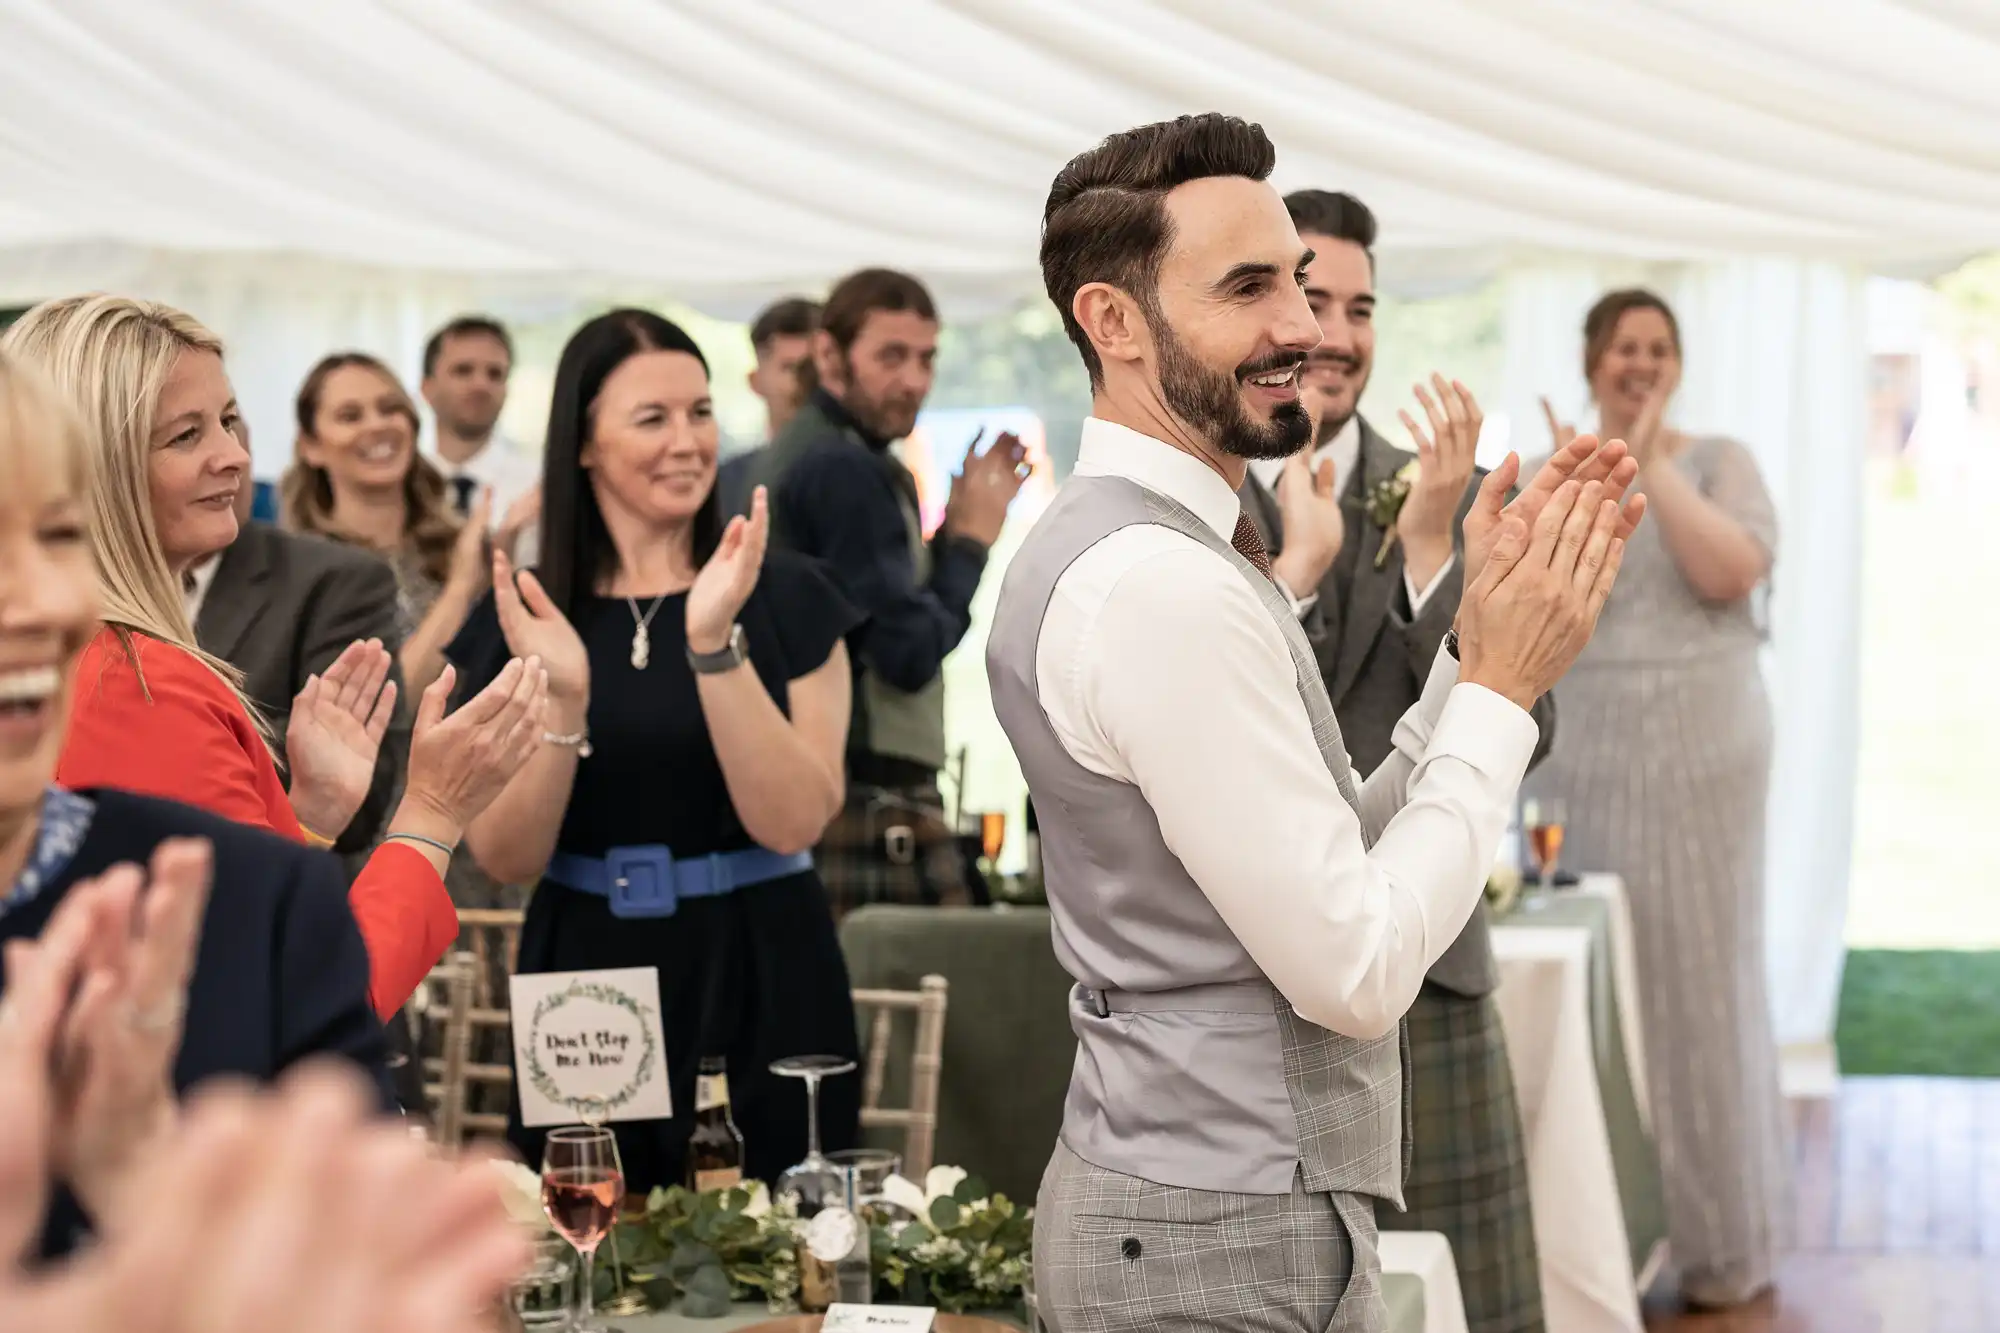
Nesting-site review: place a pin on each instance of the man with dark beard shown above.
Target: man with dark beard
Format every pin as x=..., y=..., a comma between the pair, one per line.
x=1247, y=924
x=1383, y=606
x=838, y=493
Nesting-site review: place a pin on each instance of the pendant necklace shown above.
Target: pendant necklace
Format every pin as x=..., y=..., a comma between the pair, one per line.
x=642, y=644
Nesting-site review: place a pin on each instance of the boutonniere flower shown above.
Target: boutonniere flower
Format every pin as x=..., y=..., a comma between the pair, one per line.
x=1385, y=502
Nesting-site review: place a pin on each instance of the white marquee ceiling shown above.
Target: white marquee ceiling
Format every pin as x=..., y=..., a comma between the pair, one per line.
x=730, y=149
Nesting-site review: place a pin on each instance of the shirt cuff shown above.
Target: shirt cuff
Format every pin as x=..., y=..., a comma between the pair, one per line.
x=1487, y=731
x=1299, y=605
x=1417, y=599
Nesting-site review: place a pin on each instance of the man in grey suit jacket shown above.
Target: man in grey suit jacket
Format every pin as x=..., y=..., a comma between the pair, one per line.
x=1375, y=615
x=279, y=607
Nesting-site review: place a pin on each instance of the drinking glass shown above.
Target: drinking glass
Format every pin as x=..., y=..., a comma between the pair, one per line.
x=872, y=1167
x=992, y=834
x=541, y=1297
x=582, y=1185
x=1035, y=1324
x=1544, y=822
x=816, y=1181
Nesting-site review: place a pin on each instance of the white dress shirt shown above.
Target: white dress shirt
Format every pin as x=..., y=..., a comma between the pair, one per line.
x=1159, y=666
x=195, y=590
x=510, y=469
x=1345, y=451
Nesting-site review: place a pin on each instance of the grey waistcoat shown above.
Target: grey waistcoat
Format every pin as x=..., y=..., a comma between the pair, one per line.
x=1200, y=1075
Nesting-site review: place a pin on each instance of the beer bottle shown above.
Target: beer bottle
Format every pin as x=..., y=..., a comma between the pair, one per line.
x=715, y=1149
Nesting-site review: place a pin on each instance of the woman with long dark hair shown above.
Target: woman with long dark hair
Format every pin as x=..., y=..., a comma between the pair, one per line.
x=699, y=695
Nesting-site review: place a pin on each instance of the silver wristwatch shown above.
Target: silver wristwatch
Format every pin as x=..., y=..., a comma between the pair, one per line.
x=734, y=655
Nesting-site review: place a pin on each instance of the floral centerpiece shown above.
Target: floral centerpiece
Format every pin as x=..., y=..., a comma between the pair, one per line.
x=961, y=1248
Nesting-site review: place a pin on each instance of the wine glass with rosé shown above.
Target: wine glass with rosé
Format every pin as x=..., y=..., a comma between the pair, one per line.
x=582, y=1186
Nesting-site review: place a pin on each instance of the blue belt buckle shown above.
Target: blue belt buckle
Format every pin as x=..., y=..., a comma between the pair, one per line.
x=641, y=882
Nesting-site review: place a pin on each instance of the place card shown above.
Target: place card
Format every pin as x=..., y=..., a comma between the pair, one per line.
x=854, y=1318
x=589, y=1046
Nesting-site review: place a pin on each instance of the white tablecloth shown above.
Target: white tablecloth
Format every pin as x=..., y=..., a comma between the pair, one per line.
x=1588, y=1285
x=1426, y=1256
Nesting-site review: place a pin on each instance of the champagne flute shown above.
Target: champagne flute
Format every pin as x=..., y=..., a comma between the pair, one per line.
x=1545, y=839
x=992, y=834
x=582, y=1186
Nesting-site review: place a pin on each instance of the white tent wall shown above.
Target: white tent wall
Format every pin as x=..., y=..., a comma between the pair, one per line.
x=277, y=315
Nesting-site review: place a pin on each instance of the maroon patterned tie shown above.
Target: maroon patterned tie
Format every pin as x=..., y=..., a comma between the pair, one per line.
x=1250, y=545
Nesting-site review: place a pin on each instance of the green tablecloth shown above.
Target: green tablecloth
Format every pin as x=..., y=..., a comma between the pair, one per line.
x=1634, y=1157
x=1007, y=1043
x=1403, y=1294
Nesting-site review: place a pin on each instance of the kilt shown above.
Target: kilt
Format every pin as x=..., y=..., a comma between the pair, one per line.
x=1116, y=1254
x=891, y=845
x=1469, y=1164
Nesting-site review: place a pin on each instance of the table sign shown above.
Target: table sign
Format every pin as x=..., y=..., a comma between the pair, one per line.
x=856, y=1318
x=589, y=1046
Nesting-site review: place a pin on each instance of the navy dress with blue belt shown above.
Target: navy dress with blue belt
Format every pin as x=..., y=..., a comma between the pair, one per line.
x=750, y=966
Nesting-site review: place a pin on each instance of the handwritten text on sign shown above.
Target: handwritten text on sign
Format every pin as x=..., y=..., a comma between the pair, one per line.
x=589, y=1046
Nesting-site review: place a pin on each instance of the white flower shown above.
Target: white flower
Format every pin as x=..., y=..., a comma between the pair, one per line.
x=521, y=1192
x=905, y=1195
x=760, y=1200
x=941, y=1181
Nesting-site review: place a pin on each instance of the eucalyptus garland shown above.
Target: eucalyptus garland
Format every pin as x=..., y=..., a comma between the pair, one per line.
x=706, y=1252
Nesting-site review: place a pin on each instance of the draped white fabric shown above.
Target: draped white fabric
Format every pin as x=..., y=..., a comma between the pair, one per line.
x=731, y=149
x=325, y=173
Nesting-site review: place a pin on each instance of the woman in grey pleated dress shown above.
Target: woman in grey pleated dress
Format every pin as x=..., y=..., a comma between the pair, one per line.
x=1662, y=758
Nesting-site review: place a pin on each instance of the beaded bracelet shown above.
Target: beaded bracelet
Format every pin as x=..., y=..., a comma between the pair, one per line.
x=444, y=847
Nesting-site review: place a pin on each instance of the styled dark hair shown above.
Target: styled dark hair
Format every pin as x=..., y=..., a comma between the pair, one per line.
x=1601, y=324
x=306, y=492
x=860, y=294
x=1332, y=213
x=1105, y=220
x=463, y=325
x=793, y=317
x=576, y=547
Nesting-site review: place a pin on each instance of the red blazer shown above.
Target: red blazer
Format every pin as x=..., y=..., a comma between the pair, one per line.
x=185, y=736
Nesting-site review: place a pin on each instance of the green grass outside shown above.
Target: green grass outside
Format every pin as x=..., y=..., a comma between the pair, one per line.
x=1932, y=1011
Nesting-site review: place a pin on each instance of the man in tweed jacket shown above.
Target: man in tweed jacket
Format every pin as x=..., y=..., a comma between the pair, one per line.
x=1247, y=921
x=1375, y=611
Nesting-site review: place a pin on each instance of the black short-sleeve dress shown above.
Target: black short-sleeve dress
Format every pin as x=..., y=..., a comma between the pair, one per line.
x=752, y=975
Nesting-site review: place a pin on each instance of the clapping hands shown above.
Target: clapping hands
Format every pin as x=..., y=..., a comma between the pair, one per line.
x=242, y=1213
x=335, y=731
x=725, y=582
x=1539, y=568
